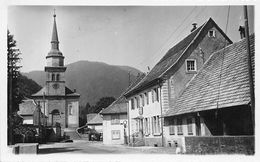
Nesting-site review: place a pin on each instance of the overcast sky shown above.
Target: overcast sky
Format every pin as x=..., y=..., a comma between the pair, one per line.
x=136, y=36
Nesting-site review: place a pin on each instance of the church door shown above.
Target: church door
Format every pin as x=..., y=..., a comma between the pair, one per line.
x=55, y=117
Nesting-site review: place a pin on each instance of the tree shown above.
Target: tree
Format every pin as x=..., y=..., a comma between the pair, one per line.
x=14, y=97
x=104, y=102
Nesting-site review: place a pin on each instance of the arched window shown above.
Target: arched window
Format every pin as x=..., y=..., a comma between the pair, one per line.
x=53, y=77
x=58, y=77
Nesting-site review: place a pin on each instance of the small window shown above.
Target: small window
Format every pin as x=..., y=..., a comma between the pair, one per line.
x=212, y=33
x=147, y=97
x=58, y=77
x=171, y=127
x=53, y=77
x=189, y=125
x=132, y=104
x=179, y=127
x=70, y=109
x=190, y=65
x=138, y=101
x=115, y=134
x=142, y=100
x=115, y=119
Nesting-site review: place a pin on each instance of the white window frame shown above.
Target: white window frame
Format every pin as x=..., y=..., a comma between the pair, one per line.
x=189, y=126
x=113, y=132
x=179, y=126
x=195, y=65
x=213, y=33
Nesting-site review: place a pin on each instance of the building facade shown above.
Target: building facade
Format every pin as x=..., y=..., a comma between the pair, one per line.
x=58, y=102
x=116, y=119
x=216, y=102
x=154, y=95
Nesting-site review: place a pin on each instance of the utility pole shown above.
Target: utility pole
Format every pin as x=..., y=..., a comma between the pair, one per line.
x=250, y=71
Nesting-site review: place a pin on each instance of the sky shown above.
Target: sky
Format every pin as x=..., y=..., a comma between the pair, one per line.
x=136, y=36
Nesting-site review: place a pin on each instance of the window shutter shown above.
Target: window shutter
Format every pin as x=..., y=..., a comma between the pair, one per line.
x=149, y=126
x=152, y=125
x=160, y=124
x=152, y=96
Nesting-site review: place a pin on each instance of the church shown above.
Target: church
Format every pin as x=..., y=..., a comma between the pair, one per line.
x=59, y=104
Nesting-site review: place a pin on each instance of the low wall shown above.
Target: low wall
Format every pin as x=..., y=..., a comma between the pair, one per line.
x=220, y=145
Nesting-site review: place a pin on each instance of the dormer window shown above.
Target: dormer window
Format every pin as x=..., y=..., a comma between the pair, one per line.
x=191, y=65
x=212, y=33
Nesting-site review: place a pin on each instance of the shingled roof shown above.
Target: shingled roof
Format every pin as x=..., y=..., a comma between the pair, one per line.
x=173, y=55
x=27, y=107
x=68, y=92
x=96, y=120
x=205, y=91
x=119, y=106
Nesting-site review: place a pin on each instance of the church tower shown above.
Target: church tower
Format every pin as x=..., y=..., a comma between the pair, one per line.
x=58, y=103
x=55, y=70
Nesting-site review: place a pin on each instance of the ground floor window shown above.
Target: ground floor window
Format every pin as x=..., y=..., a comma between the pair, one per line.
x=189, y=126
x=156, y=124
x=115, y=134
x=146, y=126
x=171, y=127
x=179, y=127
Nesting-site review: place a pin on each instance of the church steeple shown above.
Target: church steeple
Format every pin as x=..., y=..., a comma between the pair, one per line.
x=54, y=40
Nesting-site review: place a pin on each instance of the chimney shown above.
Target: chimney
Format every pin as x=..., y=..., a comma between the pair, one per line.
x=242, y=32
x=194, y=27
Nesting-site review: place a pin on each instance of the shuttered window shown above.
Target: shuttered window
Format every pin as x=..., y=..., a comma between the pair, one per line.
x=179, y=127
x=189, y=125
x=171, y=127
x=132, y=104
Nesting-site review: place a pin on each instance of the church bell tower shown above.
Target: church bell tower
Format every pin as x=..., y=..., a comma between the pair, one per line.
x=55, y=70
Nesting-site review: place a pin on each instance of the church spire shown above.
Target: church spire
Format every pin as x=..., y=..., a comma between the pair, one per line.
x=54, y=40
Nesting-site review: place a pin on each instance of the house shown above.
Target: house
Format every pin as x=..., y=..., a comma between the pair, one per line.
x=157, y=92
x=115, y=120
x=28, y=111
x=216, y=102
x=95, y=122
x=58, y=102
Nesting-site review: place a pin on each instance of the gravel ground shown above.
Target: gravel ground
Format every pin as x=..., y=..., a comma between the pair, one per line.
x=90, y=147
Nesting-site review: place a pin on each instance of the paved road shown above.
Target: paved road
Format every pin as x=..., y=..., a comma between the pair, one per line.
x=99, y=148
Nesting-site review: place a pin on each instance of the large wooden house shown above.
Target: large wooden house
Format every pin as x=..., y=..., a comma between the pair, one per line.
x=157, y=92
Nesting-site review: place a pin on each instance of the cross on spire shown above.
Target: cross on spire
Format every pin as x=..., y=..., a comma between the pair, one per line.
x=54, y=14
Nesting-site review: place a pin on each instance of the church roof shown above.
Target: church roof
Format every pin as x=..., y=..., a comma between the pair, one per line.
x=215, y=87
x=68, y=92
x=54, y=41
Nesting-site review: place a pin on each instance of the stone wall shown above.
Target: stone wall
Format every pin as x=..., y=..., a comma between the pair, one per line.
x=220, y=145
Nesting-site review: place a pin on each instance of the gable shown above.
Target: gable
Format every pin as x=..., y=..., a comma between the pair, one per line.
x=206, y=91
x=175, y=56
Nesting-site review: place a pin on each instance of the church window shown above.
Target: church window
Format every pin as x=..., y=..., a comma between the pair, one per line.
x=58, y=77
x=53, y=77
x=70, y=109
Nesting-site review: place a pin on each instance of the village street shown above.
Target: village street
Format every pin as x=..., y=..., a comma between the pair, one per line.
x=89, y=147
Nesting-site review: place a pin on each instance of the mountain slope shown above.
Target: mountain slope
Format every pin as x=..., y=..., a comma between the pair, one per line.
x=92, y=80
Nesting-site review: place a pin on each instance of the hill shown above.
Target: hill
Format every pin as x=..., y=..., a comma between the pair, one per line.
x=93, y=80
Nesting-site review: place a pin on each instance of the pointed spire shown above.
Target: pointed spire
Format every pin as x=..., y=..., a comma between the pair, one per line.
x=54, y=40
x=54, y=31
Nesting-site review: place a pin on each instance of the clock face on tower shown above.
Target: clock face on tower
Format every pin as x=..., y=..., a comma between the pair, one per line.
x=55, y=86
